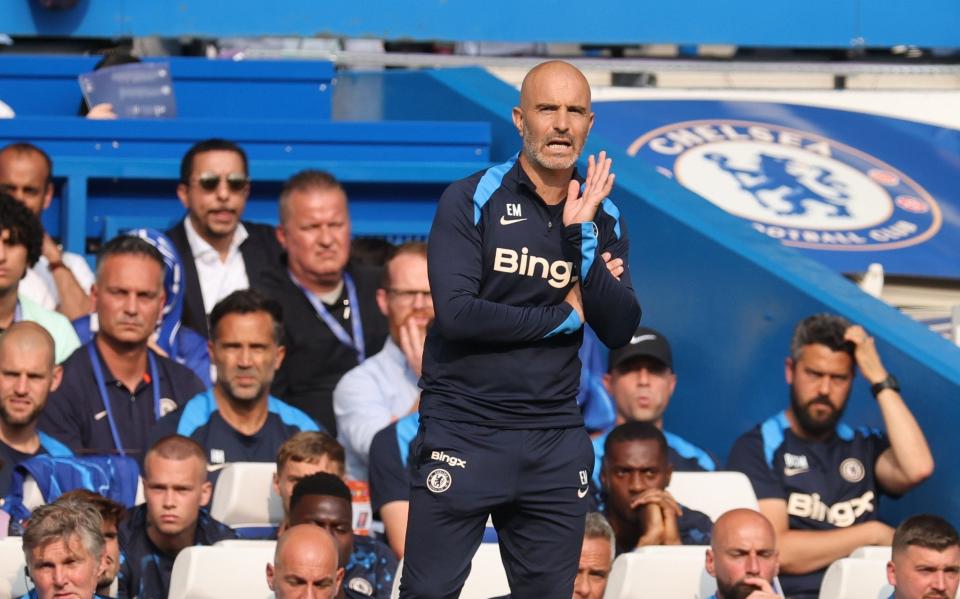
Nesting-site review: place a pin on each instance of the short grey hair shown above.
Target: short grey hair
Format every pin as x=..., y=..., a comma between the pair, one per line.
x=61, y=521
x=597, y=527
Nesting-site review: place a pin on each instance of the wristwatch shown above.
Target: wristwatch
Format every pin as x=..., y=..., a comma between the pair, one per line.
x=887, y=383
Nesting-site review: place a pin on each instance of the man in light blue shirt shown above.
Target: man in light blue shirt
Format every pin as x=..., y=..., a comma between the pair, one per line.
x=743, y=556
x=384, y=387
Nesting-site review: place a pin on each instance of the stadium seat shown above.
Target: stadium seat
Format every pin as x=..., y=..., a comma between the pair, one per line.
x=13, y=578
x=856, y=578
x=643, y=575
x=217, y=572
x=872, y=552
x=713, y=493
x=33, y=497
x=487, y=577
x=244, y=496
x=699, y=551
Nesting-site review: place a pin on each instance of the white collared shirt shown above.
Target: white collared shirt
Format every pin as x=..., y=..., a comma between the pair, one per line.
x=218, y=279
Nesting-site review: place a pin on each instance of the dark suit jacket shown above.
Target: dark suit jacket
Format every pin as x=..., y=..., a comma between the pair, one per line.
x=261, y=253
x=315, y=358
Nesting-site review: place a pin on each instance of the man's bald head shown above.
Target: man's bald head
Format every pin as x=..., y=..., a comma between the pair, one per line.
x=28, y=336
x=553, y=70
x=553, y=118
x=743, y=553
x=306, y=557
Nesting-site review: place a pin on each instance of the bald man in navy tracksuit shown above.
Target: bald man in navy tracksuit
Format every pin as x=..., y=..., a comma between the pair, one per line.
x=519, y=256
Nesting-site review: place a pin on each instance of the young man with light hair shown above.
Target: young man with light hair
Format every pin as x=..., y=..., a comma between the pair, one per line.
x=63, y=547
x=925, y=559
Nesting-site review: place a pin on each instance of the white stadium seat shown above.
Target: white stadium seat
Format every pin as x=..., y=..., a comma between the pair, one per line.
x=13, y=579
x=487, y=577
x=713, y=493
x=654, y=575
x=872, y=552
x=856, y=578
x=680, y=550
x=244, y=496
x=217, y=572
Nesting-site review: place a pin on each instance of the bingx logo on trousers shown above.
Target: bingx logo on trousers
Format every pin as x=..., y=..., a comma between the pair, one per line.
x=805, y=190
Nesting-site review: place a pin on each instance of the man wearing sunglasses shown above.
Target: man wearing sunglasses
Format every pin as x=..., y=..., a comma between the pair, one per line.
x=220, y=252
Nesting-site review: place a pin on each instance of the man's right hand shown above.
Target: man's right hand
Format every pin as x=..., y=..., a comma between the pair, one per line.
x=412, y=340
x=575, y=299
x=651, y=518
x=764, y=591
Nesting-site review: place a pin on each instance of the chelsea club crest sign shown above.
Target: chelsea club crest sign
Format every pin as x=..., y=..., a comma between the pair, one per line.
x=800, y=188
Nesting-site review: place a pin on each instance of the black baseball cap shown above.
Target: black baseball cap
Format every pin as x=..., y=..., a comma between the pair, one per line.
x=645, y=342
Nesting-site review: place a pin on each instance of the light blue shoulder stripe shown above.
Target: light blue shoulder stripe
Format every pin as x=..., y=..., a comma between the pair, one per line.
x=844, y=431
x=772, y=432
x=610, y=208
x=690, y=451
x=53, y=447
x=196, y=413
x=570, y=325
x=489, y=183
x=407, y=428
x=290, y=415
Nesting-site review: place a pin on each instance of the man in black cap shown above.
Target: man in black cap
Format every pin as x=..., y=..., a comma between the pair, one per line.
x=641, y=380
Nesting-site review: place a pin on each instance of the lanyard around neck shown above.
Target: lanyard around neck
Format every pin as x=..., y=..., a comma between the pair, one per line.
x=356, y=343
x=102, y=387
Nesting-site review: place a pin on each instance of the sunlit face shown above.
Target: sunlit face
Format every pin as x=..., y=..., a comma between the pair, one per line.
x=13, y=262
x=175, y=491
x=554, y=116
x=215, y=212
x=641, y=388
x=27, y=376
x=24, y=176
x=293, y=472
x=316, y=234
x=596, y=557
x=331, y=513
x=408, y=298
x=919, y=572
x=820, y=382
x=129, y=297
x=64, y=570
x=745, y=552
x=246, y=355
x=111, y=554
x=629, y=469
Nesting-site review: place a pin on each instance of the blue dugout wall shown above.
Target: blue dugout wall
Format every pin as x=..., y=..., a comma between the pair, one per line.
x=814, y=23
x=726, y=296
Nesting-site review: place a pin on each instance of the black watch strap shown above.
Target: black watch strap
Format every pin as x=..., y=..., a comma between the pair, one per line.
x=887, y=383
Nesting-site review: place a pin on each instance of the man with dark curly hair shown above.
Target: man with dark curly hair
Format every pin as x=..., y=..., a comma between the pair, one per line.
x=21, y=236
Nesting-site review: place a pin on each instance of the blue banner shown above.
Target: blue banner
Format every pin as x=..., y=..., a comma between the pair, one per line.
x=846, y=188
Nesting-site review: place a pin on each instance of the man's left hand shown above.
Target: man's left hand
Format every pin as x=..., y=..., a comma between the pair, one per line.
x=868, y=360
x=596, y=187
x=51, y=251
x=614, y=265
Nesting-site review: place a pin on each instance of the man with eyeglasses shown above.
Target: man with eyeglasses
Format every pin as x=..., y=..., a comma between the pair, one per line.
x=220, y=252
x=384, y=388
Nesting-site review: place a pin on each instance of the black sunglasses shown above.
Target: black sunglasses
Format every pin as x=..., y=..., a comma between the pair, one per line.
x=211, y=181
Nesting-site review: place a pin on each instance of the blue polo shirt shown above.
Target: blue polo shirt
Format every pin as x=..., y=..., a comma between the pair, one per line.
x=370, y=571
x=826, y=484
x=75, y=412
x=200, y=419
x=10, y=457
x=144, y=569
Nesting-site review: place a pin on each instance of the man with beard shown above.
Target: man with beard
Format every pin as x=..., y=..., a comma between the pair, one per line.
x=818, y=480
x=220, y=252
x=237, y=420
x=27, y=376
x=384, y=388
x=926, y=559
x=743, y=556
x=518, y=261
